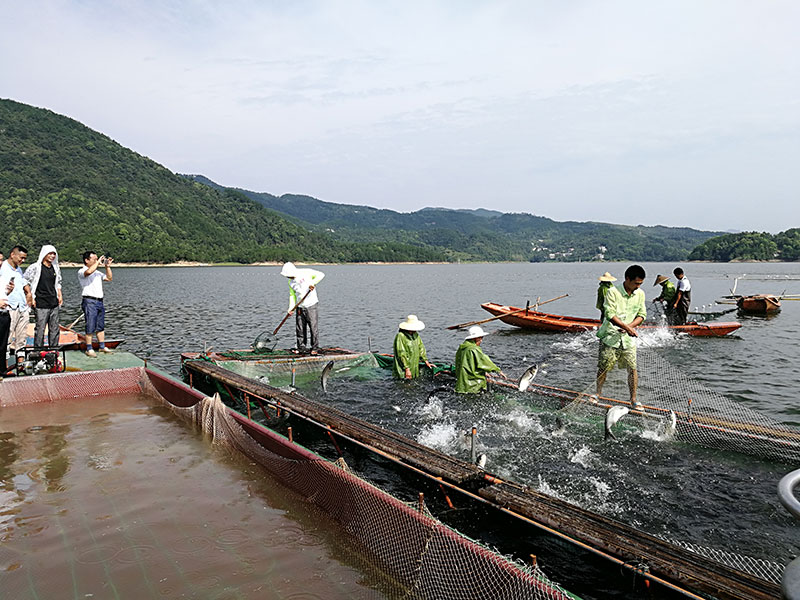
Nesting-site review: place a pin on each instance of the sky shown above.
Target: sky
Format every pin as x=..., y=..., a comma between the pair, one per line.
x=678, y=113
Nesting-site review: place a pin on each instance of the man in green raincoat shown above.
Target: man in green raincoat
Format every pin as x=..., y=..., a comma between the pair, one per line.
x=606, y=284
x=667, y=296
x=472, y=364
x=409, y=349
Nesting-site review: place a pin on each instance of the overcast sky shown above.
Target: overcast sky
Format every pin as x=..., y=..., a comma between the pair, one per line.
x=682, y=113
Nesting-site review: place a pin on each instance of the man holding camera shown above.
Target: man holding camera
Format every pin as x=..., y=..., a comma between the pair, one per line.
x=94, y=311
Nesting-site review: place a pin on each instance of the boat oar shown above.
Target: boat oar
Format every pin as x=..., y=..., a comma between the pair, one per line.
x=286, y=316
x=513, y=312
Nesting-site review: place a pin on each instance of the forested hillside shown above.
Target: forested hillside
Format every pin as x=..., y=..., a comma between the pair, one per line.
x=65, y=184
x=750, y=245
x=482, y=234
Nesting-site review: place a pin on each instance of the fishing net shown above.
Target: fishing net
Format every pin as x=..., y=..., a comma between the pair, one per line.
x=419, y=556
x=702, y=416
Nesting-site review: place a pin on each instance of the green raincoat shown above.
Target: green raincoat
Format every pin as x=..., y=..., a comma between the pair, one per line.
x=472, y=364
x=602, y=292
x=408, y=351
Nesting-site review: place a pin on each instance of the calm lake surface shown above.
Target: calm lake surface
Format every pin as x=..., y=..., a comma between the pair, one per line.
x=684, y=492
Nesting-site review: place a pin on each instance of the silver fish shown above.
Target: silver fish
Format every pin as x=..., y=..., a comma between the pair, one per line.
x=672, y=426
x=481, y=461
x=527, y=377
x=325, y=373
x=614, y=414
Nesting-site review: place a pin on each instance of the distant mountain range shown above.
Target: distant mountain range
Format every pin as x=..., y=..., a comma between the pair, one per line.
x=482, y=234
x=65, y=184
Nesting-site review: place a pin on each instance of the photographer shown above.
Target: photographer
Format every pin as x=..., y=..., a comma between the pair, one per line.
x=94, y=311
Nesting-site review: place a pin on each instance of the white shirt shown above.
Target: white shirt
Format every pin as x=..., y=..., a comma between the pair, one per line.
x=3, y=296
x=684, y=285
x=299, y=284
x=92, y=284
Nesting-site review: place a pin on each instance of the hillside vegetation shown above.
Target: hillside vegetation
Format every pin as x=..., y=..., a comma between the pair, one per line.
x=482, y=234
x=65, y=184
x=750, y=245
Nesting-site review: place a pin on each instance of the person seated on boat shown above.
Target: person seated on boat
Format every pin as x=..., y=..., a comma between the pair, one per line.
x=44, y=277
x=409, y=349
x=624, y=311
x=472, y=364
x=667, y=295
x=303, y=297
x=682, y=298
x=606, y=280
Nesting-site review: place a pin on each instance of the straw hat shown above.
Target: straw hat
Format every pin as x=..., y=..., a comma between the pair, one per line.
x=607, y=277
x=412, y=323
x=660, y=279
x=474, y=332
x=289, y=270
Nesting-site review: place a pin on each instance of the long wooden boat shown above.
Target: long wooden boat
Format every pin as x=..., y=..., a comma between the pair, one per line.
x=539, y=321
x=759, y=304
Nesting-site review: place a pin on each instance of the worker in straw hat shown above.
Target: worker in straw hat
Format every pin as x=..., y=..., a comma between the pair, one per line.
x=472, y=364
x=409, y=349
x=606, y=281
x=667, y=296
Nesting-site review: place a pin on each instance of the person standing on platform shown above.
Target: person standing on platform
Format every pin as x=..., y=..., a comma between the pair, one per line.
x=682, y=298
x=6, y=287
x=409, y=349
x=19, y=300
x=302, y=290
x=624, y=311
x=605, y=284
x=94, y=310
x=44, y=277
x=667, y=296
x=472, y=364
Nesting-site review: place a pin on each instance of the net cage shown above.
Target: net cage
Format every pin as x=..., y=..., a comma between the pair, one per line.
x=419, y=556
x=702, y=416
x=405, y=552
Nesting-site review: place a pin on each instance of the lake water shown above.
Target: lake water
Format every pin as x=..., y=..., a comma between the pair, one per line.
x=684, y=492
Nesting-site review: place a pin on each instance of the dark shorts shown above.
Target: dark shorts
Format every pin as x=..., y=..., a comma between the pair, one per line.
x=95, y=314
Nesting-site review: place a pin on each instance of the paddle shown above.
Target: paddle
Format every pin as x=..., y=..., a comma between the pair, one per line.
x=286, y=316
x=513, y=312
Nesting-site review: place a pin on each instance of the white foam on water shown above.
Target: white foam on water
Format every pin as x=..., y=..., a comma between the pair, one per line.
x=432, y=410
x=660, y=337
x=439, y=436
x=522, y=420
x=583, y=456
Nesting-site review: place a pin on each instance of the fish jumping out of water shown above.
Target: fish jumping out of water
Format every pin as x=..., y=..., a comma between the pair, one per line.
x=560, y=429
x=669, y=432
x=527, y=377
x=432, y=395
x=481, y=460
x=324, y=377
x=614, y=414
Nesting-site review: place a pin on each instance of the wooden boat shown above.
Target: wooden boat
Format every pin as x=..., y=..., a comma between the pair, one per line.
x=759, y=304
x=539, y=321
x=69, y=339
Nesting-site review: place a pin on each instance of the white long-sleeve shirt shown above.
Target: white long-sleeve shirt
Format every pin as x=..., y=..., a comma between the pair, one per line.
x=298, y=287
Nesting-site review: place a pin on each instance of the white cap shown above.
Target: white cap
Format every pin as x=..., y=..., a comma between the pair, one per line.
x=476, y=331
x=289, y=270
